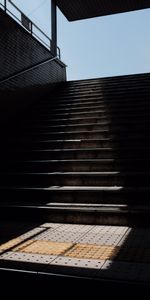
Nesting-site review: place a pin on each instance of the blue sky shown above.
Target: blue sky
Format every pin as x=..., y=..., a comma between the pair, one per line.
x=98, y=47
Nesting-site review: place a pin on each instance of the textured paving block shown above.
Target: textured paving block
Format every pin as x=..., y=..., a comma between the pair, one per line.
x=44, y=247
x=28, y=257
x=14, y=242
x=74, y=262
x=31, y=233
x=74, y=228
x=119, y=230
x=92, y=252
x=22, y=245
x=59, y=236
x=8, y=245
x=109, y=229
x=101, y=239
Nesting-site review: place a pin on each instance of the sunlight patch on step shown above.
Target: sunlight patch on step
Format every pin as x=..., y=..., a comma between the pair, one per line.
x=84, y=188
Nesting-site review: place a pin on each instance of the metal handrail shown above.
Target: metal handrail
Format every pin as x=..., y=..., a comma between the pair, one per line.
x=42, y=63
x=17, y=8
x=32, y=25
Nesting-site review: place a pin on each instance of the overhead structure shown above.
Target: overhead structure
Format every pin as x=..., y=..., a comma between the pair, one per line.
x=83, y=9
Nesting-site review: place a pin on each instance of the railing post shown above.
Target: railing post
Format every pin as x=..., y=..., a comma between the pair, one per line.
x=5, y=5
x=54, y=27
x=31, y=29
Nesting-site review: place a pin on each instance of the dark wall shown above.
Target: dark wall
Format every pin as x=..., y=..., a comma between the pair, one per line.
x=19, y=50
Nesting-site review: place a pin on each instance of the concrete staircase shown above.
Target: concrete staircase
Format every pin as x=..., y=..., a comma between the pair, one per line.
x=81, y=155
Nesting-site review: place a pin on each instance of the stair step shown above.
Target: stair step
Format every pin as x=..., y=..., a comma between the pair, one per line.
x=75, y=127
x=85, y=109
x=77, y=165
x=109, y=103
x=113, y=95
x=37, y=122
x=102, y=118
x=59, y=144
x=86, y=153
x=115, y=82
x=28, y=144
x=87, y=127
x=98, y=114
x=75, y=179
x=101, y=134
x=79, y=215
x=131, y=142
x=83, y=121
x=109, y=90
x=107, y=195
x=95, y=104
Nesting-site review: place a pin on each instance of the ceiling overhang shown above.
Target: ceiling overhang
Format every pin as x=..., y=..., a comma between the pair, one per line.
x=83, y=9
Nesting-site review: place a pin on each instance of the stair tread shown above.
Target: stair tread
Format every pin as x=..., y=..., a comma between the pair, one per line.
x=119, y=173
x=81, y=160
x=101, y=209
x=81, y=188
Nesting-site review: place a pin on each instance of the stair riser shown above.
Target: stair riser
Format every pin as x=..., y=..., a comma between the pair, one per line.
x=61, y=145
x=66, y=135
x=132, y=143
x=110, y=96
x=95, y=104
x=97, y=113
x=107, y=110
x=85, y=121
x=112, y=93
x=100, y=197
x=139, y=118
x=66, y=128
x=74, y=180
x=78, y=166
x=55, y=122
x=93, y=84
x=78, y=101
x=88, y=127
x=78, y=154
x=72, y=217
x=75, y=217
x=62, y=167
x=105, y=134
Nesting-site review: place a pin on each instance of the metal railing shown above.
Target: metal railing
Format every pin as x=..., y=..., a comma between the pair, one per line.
x=31, y=68
x=11, y=9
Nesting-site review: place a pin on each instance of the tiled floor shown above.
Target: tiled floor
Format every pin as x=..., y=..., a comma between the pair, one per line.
x=112, y=252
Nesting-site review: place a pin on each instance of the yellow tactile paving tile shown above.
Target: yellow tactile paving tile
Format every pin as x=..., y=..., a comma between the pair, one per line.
x=10, y=244
x=21, y=246
x=44, y=247
x=92, y=251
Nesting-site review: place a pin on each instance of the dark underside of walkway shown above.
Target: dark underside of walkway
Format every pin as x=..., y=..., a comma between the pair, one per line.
x=81, y=9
